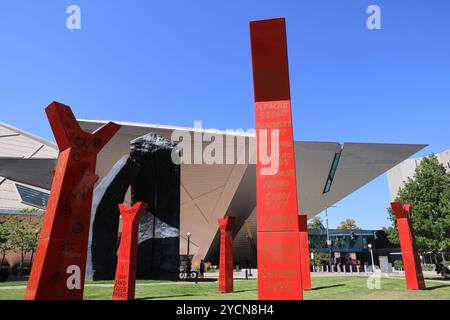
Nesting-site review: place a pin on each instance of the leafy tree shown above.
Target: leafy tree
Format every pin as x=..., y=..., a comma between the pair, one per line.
x=348, y=224
x=4, y=241
x=429, y=194
x=33, y=238
x=316, y=223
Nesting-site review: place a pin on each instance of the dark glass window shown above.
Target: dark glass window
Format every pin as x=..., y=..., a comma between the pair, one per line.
x=32, y=197
x=333, y=168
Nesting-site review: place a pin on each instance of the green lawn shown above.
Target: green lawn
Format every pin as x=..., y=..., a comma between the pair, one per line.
x=333, y=288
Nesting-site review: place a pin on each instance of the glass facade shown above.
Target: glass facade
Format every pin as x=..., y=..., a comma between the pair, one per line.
x=341, y=240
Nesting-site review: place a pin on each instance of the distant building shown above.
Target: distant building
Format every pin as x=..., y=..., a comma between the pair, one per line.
x=350, y=247
x=18, y=198
x=398, y=175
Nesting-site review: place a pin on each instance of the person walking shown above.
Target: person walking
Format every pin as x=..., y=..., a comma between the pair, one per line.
x=202, y=268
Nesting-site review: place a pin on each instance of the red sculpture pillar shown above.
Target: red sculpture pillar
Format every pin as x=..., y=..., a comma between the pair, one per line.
x=60, y=262
x=226, y=254
x=410, y=254
x=279, y=272
x=304, y=251
x=125, y=281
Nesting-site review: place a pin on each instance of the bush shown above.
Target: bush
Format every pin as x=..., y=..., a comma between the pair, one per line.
x=4, y=274
x=428, y=267
x=398, y=264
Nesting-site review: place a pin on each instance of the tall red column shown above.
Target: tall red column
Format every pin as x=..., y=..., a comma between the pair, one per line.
x=125, y=281
x=226, y=254
x=304, y=251
x=60, y=262
x=279, y=272
x=410, y=254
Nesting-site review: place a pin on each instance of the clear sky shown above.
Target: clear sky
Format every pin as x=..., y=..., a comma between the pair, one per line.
x=173, y=62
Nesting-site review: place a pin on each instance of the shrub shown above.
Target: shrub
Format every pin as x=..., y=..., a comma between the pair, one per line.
x=398, y=264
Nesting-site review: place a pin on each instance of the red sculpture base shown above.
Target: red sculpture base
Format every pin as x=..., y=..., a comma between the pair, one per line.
x=59, y=266
x=125, y=281
x=226, y=254
x=410, y=254
x=304, y=251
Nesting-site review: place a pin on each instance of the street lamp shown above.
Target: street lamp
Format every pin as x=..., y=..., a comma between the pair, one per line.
x=328, y=235
x=371, y=255
x=188, y=244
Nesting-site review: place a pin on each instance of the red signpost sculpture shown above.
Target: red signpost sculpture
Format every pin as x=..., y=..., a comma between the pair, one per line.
x=279, y=271
x=125, y=281
x=60, y=262
x=410, y=254
x=304, y=251
x=226, y=254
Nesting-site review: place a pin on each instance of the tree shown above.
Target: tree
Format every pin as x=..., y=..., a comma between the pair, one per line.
x=33, y=238
x=22, y=237
x=4, y=241
x=348, y=224
x=429, y=194
x=316, y=223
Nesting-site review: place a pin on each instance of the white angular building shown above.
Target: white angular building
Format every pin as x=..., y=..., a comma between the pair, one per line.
x=326, y=173
x=398, y=175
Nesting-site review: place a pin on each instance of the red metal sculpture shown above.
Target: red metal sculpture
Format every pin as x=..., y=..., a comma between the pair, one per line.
x=410, y=254
x=226, y=254
x=279, y=272
x=304, y=251
x=125, y=281
x=60, y=262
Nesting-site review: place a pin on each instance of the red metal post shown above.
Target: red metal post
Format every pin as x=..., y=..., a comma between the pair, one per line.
x=125, y=281
x=279, y=272
x=59, y=266
x=226, y=254
x=410, y=254
x=304, y=251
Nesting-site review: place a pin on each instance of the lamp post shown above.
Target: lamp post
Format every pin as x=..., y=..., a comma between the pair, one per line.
x=371, y=255
x=328, y=235
x=249, y=255
x=188, y=244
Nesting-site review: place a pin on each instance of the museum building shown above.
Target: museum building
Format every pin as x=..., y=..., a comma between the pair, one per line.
x=326, y=172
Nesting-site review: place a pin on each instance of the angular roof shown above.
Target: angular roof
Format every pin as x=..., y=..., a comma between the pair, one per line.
x=209, y=192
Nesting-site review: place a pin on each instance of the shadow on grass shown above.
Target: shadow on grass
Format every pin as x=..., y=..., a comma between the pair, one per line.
x=438, y=287
x=327, y=287
x=248, y=290
x=172, y=296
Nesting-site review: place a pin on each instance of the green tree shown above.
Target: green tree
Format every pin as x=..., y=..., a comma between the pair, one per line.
x=33, y=238
x=316, y=223
x=4, y=240
x=348, y=224
x=429, y=194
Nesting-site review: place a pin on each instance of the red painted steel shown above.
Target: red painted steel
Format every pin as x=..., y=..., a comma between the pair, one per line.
x=279, y=263
x=304, y=251
x=410, y=254
x=226, y=254
x=125, y=281
x=59, y=266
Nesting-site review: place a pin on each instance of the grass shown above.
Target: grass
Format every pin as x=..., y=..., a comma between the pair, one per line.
x=324, y=288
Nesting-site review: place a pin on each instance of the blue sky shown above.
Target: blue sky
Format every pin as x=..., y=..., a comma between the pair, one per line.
x=173, y=62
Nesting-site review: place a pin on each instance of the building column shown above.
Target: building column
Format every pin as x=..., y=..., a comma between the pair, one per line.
x=304, y=251
x=410, y=254
x=59, y=266
x=125, y=280
x=279, y=272
x=226, y=254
